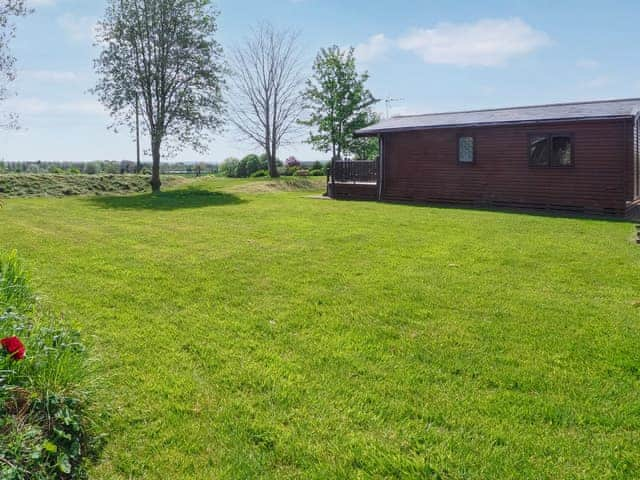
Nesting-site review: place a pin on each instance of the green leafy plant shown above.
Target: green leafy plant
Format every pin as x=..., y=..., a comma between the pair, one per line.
x=15, y=291
x=47, y=428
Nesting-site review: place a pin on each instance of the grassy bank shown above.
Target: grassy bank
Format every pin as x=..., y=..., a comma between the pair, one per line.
x=250, y=332
x=53, y=185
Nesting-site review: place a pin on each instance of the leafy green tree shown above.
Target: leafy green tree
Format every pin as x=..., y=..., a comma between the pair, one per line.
x=229, y=167
x=367, y=148
x=339, y=102
x=252, y=164
x=164, y=53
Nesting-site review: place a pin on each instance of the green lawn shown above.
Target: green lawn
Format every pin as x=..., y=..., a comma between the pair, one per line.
x=242, y=333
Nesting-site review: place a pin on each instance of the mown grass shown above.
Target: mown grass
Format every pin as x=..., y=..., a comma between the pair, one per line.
x=274, y=335
x=59, y=185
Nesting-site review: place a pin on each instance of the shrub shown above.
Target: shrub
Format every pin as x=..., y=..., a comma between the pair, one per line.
x=229, y=167
x=241, y=170
x=290, y=171
x=46, y=430
x=317, y=173
x=301, y=173
x=260, y=173
x=292, y=162
x=252, y=164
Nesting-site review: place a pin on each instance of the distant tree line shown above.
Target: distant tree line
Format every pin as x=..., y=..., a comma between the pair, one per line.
x=250, y=166
x=106, y=167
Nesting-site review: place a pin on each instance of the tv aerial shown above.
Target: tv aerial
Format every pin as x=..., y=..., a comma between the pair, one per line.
x=388, y=102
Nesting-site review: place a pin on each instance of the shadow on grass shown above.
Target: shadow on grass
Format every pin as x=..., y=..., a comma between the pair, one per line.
x=548, y=213
x=171, y=200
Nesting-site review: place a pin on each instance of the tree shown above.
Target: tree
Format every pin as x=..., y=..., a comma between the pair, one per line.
x=266, y=83
x=229, y=167
x=367, y=148
x=252, y=164
x=8, y=9
x=338, y=101
x=163, y=52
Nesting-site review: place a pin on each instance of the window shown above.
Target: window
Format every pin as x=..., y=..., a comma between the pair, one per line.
x=561, y=155
x=551, y=150
x=539, y=151
x=465, y=150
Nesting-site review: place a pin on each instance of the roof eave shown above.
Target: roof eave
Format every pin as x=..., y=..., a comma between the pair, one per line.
x=375, y=132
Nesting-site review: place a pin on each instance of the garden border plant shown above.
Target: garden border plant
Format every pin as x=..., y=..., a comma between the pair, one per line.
x=48, y=428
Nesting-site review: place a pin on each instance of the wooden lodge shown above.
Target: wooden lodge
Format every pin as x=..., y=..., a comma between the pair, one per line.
x=579, y=157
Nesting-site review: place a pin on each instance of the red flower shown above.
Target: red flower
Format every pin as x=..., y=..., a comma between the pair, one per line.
x=14, y=347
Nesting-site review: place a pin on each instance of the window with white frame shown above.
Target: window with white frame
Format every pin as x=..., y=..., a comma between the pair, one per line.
x=466, y=149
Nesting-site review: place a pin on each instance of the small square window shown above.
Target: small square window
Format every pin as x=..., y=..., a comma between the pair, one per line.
x=465, y=150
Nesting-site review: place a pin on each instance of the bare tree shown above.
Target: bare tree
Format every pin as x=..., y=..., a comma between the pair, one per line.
x=165, y=53
x=266, y=99
x=8, y=9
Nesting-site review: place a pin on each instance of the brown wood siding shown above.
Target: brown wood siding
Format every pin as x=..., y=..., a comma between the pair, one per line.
x=355, y=191
x=636, y=159
x=422, y=166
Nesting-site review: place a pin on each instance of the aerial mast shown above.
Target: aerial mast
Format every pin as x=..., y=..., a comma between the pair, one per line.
x=389, y=101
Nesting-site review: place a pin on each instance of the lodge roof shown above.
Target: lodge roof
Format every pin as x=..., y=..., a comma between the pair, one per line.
x=578, y=111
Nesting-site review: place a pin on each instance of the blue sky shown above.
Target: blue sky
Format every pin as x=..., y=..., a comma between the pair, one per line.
x=434, y=55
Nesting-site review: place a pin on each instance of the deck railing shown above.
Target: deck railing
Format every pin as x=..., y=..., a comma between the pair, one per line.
x=355, y=172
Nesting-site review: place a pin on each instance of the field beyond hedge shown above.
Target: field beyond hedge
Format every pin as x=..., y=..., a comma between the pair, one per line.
x=244, y=331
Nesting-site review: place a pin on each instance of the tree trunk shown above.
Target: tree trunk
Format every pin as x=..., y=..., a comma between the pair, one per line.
x=155, y=168
x=273, y=167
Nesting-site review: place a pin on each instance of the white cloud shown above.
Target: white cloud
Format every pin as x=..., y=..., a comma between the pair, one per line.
x=488, y=42
x=78, y=28
x=42, y=3
x=373, y=48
